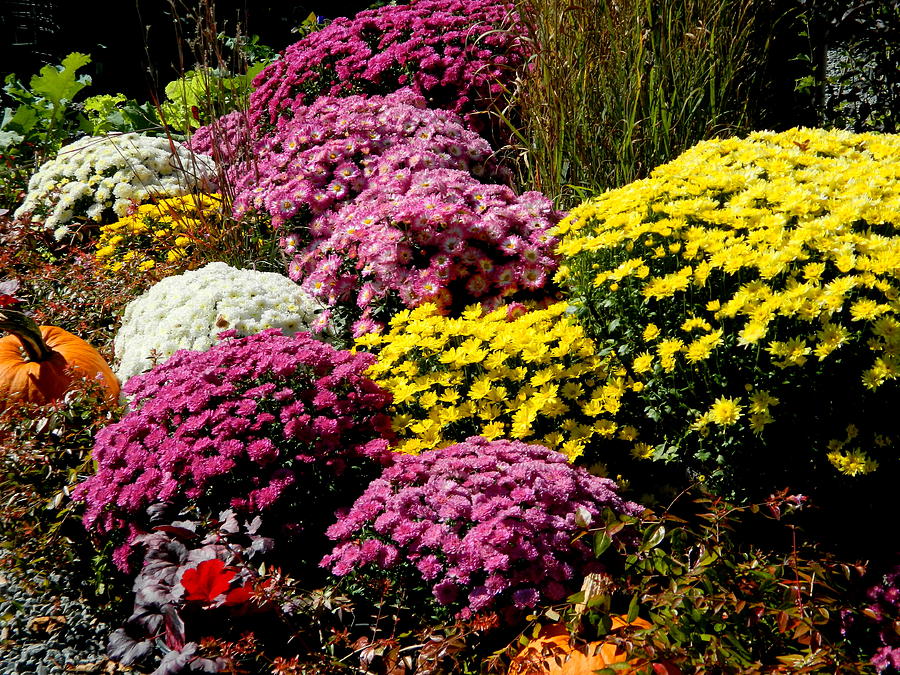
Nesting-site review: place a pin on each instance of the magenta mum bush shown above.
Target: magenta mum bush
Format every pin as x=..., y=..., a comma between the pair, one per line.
x=246, y=425
x=227, y=139
x=455, y=53
x=328, y=152
x=885, y=609
x=435, y=235
x=488, y=525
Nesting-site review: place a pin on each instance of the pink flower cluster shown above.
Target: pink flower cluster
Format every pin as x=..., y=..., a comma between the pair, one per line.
x=227, y=139
x=327, y=153
x=458, y=54
x=237, y=426
x=436, y=235
x=885, y=609
x=487, y=525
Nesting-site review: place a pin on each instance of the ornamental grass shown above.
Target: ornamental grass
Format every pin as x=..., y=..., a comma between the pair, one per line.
x=613, y=89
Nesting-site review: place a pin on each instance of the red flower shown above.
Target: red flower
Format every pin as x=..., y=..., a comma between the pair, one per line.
x=207, y=581
x=239, y=595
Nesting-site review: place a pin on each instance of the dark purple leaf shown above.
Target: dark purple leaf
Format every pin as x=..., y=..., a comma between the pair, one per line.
x=177, y=532
x=125, y=649
x=174, y=627
x=177, y=660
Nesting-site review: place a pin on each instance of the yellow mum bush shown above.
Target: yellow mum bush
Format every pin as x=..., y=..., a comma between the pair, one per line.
x=535, y=378
x=752, y=285
x=157, y=233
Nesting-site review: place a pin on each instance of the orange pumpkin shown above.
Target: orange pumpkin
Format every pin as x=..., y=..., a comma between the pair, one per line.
x=37, y=362
x=551, y=653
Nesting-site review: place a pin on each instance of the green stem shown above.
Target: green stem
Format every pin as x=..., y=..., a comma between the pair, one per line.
x=24, y=327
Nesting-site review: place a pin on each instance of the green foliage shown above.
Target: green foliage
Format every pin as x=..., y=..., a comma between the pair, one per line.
x=615, y=89
x=204, y=94
x=852, y=62
x=728, y=589
x=250, y=50
x=44, y=450
x=115, y=113
x=59, y=85
x=38, y=119
x=45, y=116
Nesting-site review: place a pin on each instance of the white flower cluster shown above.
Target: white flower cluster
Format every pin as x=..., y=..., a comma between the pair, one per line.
x=98, y=178
x=187, y=311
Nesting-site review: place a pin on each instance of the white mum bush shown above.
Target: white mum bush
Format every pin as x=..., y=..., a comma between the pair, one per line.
x=189, y=310
x=99, y=177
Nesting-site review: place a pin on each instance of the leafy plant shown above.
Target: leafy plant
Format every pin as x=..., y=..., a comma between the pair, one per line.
x=36, y=120
x=852, y=60
x=727, y=588
x=201, y=95
x=44, y=451
x=45, y=116
x=200, y=587
x=107, y=113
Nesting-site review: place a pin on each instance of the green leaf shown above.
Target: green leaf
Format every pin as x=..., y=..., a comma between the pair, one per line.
x=16, y=89
x=602, y=542
x=653, y=537
x=59, y=85
x=23, y=120
x=8, y=138
x=255, y=70
x=633, y=608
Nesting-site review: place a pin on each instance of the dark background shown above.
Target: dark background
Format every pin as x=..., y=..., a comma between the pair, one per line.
x=133, y=43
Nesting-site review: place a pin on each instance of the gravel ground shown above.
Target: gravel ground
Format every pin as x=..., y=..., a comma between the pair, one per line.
x=48, y=633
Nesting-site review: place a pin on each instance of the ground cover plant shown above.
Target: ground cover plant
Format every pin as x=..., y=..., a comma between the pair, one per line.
x=739, y=587
x=385, y=413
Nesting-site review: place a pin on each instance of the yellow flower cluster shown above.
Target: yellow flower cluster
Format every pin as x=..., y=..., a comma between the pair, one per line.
x=535, y=378
x=781, y=248
x=157, y=233
x=853, y=461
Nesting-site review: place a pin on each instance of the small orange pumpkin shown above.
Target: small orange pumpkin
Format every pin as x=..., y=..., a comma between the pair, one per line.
x=551, y=653
x=35, y=361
